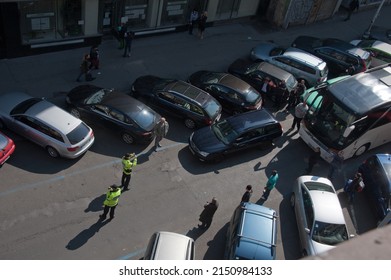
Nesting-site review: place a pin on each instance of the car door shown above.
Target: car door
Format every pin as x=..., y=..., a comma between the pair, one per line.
x=168, y=103
x=100, y=115
x=255, y=79
x=282, y=62
x=221, y=94
x=245, y=140
x=335, y=59
x=119, y=121
x=29, y=128
x=307, y=222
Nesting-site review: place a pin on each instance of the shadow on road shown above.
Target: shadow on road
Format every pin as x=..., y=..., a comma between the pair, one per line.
x=83, y=237
x=96, y=204
x=216, y=246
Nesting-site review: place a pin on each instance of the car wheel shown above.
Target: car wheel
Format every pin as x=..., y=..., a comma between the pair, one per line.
x=74, y=112
x=127, y=138
x=361, y=150
x=293, y=200
x=52, y=152
x=189, y=123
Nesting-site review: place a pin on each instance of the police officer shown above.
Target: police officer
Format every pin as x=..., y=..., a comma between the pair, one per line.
x=111, y=201
x=129, y=161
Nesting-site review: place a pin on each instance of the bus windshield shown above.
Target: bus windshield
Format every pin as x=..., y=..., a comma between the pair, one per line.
x=327, y=119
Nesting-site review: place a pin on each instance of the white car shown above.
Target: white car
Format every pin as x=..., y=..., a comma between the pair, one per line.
x=45, y=124
x=380, y=51
x=319, y=215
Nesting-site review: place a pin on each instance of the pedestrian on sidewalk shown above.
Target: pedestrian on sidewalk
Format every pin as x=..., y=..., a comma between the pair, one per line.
x=294, y=96
x=94, y=58
x=271, y=183
x=85, y=69
x=353, y=5
x=128, y=43
x=207, y=214
x=129, y=160
x=313, y=159
x=247, y=194
x=111, y=201
x=300, y=111
x=193, y=20
x=161, y=131
x=202, y=24
x=353, y=186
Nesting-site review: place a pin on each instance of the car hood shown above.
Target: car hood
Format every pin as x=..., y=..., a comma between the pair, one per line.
x=240, y=66
x=206, y=141
x=80, y=93
x=146, y=84
x=306, y=42
x=197, y=79
x=319, y=248
x=263, y=50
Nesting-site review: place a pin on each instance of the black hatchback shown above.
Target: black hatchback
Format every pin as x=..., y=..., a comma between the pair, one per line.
x=196, y=107
x=128, y=117
x=236, y=133
x=376, y=173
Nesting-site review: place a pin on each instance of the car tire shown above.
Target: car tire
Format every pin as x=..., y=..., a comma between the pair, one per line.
x=75, y=112
x=127, y=138
x=52, y=152
x=189, y=123
x=361, y=150
x=292, y=200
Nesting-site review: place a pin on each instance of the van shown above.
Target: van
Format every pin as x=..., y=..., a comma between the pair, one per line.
x=164, y=245
x=252, y=233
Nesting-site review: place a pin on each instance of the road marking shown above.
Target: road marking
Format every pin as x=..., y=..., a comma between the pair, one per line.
x=62, y=177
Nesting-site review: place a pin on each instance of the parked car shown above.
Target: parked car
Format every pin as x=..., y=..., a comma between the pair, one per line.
x=300, y=64
x=319, y=215
x=255, y=73
x=45, y=124
x=380, y=51
x=376, y=173
x=233, y=134
x=196, y=107
x=7, y=147
x=131, y=119
x=341, y=57
x=252, y=233
x=380, y=33
x=235, y=95
x=164, y=245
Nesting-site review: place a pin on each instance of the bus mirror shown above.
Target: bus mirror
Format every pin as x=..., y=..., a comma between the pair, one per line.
x=348, y=130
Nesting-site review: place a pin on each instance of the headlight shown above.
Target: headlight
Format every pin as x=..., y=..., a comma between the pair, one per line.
x=204, y=154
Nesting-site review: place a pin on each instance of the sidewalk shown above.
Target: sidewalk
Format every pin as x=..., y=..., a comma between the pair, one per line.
x=175, y=55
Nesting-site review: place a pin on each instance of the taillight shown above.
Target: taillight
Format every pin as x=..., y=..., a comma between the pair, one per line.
x=208, y=121
x=74, y=149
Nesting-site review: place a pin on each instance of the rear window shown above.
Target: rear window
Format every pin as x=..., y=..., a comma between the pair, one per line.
x=252, y=95
x=78, y=134
x=145, y=118
x=212, y=108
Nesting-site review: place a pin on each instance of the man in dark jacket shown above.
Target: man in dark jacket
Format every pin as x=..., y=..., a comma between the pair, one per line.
x=247, y=195
x=207, y=214
x=354, y=5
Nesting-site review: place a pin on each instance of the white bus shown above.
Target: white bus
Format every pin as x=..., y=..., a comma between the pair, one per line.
x=350, y=114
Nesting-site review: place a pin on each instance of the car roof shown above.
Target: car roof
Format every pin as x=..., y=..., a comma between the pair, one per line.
x=274, y=71
x=172, y=246
x=244, y=121
x=326, y=204
x=123, y=102
x=257, y=233
x=303, y=56
x=234, y=82
x=189, y=91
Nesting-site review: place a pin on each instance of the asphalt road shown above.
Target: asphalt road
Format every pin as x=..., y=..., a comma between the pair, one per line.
x=50, y=207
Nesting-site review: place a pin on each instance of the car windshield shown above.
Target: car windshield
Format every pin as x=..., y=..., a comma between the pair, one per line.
x=22, y=107
x=329, y=234
x=212, y=108
x=210, y=78
x=144, y=118
x=316, y=186
x=78, y=134
x=224, y=131
x=97, y=97
x=252, y=95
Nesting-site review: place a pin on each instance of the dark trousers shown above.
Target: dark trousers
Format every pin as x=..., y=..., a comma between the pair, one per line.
x=128, y=47
x=191, y=26
x=296, y=121
x=266, y=193
x=106, y=211
x=125, y=180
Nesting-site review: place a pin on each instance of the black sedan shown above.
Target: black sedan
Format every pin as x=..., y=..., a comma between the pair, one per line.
x=255, y=74
x=233, y=134
x=234, y=94
x=130, y=118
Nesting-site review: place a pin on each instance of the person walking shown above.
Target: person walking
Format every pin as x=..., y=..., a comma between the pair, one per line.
x=193, y=20
x=336, y=164
x=202, y=24
x=161, y=131
x=84, y=69
x=94, y=58
x=313, y=159
x=129, y=161
x=294, y=96
x=128, y=43
x=247, y=194
x=353, y=5
x=111, y=201
x=353, y=186
x=271, y=183
x=300, y=111
x=207, y=214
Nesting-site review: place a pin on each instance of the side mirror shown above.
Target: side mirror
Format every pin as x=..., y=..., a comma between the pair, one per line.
x=348, y=130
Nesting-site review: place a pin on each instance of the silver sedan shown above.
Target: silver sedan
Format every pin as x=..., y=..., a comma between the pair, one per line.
x=319, y=215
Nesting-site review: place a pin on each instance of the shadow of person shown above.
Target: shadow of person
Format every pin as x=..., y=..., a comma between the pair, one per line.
x=144, y=157
x=195, y=232
x=96, y=204
x=83, y=237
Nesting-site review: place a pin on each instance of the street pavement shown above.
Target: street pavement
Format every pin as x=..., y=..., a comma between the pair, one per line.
x=56, y=205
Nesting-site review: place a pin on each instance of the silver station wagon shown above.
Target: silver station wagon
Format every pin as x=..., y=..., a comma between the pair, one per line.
x=45, y=124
